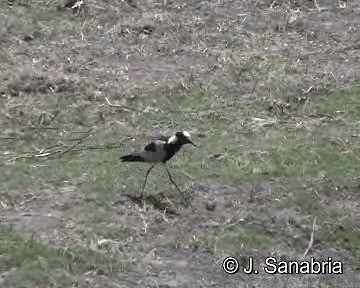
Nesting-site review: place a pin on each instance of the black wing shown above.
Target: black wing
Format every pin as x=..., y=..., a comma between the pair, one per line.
x=150, y=147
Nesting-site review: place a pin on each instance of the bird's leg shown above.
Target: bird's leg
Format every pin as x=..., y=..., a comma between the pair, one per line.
x=177, y=187
x=147, y=174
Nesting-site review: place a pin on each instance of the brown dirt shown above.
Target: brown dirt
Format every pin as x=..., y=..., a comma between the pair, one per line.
x=41, y=212
x=185, y=42
x=176, y=260
x=344, y=199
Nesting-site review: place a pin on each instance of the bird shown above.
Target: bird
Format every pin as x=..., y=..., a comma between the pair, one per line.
x=160, y=150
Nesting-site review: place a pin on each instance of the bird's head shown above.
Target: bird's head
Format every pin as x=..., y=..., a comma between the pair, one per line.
x=184, y=138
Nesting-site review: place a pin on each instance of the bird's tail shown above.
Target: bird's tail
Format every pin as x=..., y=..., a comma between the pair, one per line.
x=131, y=158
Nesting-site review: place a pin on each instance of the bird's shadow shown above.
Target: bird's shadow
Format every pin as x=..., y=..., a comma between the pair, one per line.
x=158, y=202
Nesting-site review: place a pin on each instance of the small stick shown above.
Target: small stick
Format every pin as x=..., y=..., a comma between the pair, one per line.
x=120, y=106
x=69, y=148
x=311, y=238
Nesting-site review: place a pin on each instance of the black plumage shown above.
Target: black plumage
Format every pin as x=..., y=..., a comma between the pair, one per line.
x=160, y=150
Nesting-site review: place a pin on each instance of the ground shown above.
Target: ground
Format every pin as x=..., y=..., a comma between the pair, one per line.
x=269, y=91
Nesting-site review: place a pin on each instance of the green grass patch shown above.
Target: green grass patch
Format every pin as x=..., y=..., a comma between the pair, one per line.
x=232, y=239
x=331, y=224
x=40, y=18
x=254, y=142
x=94, y=222
x=313, y=143
x=344, y=104
x=37, y=264
x=344, y=236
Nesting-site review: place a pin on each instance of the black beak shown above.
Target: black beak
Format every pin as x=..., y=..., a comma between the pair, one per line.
x=192, y=143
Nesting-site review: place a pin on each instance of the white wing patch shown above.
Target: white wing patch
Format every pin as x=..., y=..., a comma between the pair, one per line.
x=187, y=134
x=172, y=139
x=159, y=143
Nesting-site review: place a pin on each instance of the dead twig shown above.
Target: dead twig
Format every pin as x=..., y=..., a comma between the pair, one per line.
x=61, y=153
x=57, y=112
x=320, y=9
x=144, y=221
x=311, y=238
x=24, y=156
x=60, y=148
x=120, y=106
x=105, y=146
x=186, y=174
x=306, y=103
x=273, y=4
x=43, y=127
x=81, y=139
x=11, y=138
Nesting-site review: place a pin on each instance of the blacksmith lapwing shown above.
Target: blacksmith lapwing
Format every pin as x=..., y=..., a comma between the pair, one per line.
x=160, y=150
